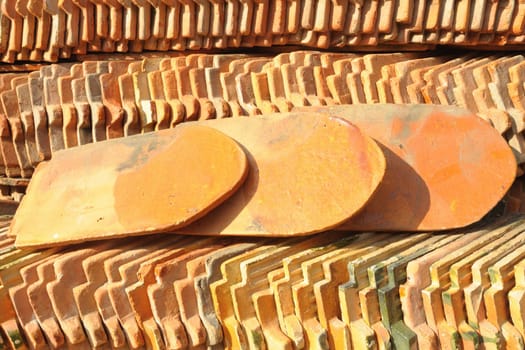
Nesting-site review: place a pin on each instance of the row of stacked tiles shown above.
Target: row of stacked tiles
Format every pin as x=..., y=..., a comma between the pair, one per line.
x=65, y=105
x=336, y=290
x=37, y=30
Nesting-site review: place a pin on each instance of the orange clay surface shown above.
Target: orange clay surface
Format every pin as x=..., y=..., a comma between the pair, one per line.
x=446, y=167
x=308, y=173
x=140, y=184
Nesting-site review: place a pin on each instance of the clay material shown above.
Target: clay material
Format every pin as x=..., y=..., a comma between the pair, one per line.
x=417, y=194
x=326, y=170
x=137, y=185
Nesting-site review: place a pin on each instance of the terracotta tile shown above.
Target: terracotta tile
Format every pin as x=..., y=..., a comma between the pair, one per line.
x=57, y=32
x=80, y=100
x=115, y=114
x=475, y=307
x=518, y=21
x=462, y=15
x=402, y=79
x=102, y=22
x=13, y=338
x=116, y=334
x=448, y=14
x=84, y=293
x=203, y=16
x=163, y=298
x=371, y=73
x=515, y=86
x=353, y=116
x=465, y=83
x=217, y=17
x=308, y=83
x=94, y=97
x=495, y=297
x=127, y=93
x=69, y=111
x=10, y=263
x=11, y=165
x=26, y=116
x=337, y=83
x=178, y=110
x=276, y=88
x=144, y=19
x=500, y=79
x=191, y=104
x=228, y=83
x=244, y=87
x=416, y=26
x=453, y=297
x=68, y=272
x=129, y=21
x=138, y=296
x=231, y=18
x=505, y=13
x=202, y=287
x=482, y=94
x=386, y=16
x=499, y=72
x=260, y=19
x=261, y=92
x=233, y=336
x=418, y=278
x=53, y=107
x=429, y=91
x=418, y=82
x=515, y=298
x=384, y=90
x=266, y=314
x=197, y=81
x=162, y=109
x=172, y=19
x=15, y=32
x=489, y=21
x=187, y=297
x=28, y=25
x=302, y=292
x=322, y=68
x=239, y=214
x=292, y=326
x=378, y=278
x=223, y=187
x=42, y=307
x=124, y=276
x=246, y=17
x=389, y=296
x=72, y=22
x=10, y=103
x=292, y=274
x=353, y=81
x=145, y=106
x=309, y=38
x=214, y=85
x=439, y=271
x=281, y=281
x=351, y=310
x=254, y=281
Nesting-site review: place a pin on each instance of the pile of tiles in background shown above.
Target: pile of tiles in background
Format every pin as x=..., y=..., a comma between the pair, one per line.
x=368, y=290
x=377, y=291
x=51, y=30
x=65, y=105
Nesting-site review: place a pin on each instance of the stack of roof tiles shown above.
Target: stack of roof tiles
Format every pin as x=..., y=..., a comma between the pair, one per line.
x=458, y=289
x=52, y=30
